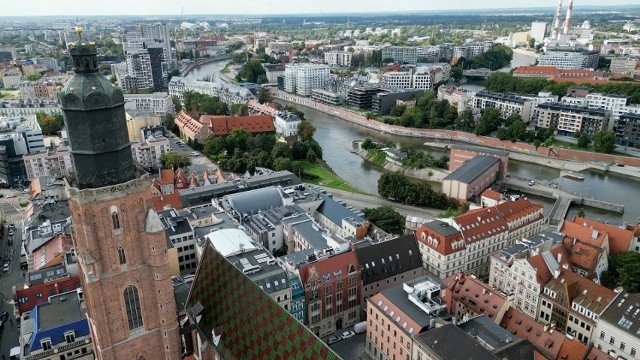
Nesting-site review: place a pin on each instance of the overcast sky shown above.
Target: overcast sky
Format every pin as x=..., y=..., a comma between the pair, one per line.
x=173, y=7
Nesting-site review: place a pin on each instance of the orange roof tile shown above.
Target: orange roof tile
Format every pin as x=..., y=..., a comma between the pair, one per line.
x=224, y=125
x=160, y=201
x=572, y=349
x=493, y=195
x=475, y=295
x=51, y=252
x=581, y=290
x=446, y=241
x=620, y=240
x=582, y=254
x=330, y=265
x=522, y=326
x=584, y=233
x=543, y=274
x=167, y=176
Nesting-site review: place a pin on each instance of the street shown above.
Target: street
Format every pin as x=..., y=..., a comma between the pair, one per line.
x=199, y=163
x=10, y=207
x=352, y=349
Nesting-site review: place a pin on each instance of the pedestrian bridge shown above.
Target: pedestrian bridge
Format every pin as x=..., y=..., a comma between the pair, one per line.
x=563, y=199
x=482, y=73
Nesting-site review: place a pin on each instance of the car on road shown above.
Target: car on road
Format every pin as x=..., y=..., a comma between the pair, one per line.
x=11, y=195
x=532, y=182
x=25, y=191
x=5, y=267
x=11, y=232
x=333, y=339
x=194, y=153
x=347, y=335
x=12, y=226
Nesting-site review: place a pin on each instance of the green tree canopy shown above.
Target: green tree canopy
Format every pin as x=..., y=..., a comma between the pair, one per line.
x=624, y=270
x=34, y=77
x=174, y=160
x=252, y=72
x=306, y=130
x=50, y=124
x=386, y=218
x=204, y=104
x=264, y=96
x=584, y=141
x=604, y=141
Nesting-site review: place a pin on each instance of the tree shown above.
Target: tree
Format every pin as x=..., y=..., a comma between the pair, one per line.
x=532, y=43
x=113, y=79
x=281, y=150
x=177, y=106
x=34, y=77
x=264, y=96
x=624, y=270
x=49, y=123
x=604, y=141
x=581, y=212
x=456, y=73
x=239, y=109
x=584, y=141
x=174, y=160
x=251, y=72
x=172, y=73
x=397, y=110
x=306, y=130
x=311, y=156
x=282, y=163
x=386, y=218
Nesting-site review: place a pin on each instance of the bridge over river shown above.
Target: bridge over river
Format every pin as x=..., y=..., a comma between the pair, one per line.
x=563, y=199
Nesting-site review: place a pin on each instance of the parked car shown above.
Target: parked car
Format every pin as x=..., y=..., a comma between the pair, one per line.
x=10, y=241
x=532, y=182
x=332, y=340
x=194, y=153
x=5, y=267
x=348, y=335
x=11, y=195
x=11, y=232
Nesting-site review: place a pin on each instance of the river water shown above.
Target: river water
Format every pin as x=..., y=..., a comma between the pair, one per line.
x=335, y=137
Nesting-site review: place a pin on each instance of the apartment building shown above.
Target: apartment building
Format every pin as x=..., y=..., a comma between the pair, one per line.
x=574, y=304
x=467, y=297
x=521, y=270
x=617, y=332
x=569, y=59
x=388, y=263
x=466, y=242
x=570, y=119
x=338, y=58
x=471, y=50
x=455, y=96
x=397, y=314
x=11, y=78
x=625, y=66
x=148, y=153
x=424, y=80
x=311, y=76
x=290, y=77
x=508, y=104
x=332, y=291
x=181, y=234
x=158, y=104
x=273, y=71
x=404, y=54
x=52, y=162
x=627, y=130
x=397, y=79
x=227, y=92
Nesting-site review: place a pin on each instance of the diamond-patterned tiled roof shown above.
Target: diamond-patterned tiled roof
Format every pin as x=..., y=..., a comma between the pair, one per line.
x=253, y=325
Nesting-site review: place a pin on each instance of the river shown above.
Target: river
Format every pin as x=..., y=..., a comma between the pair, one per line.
x=335, y=137
x=208, y=70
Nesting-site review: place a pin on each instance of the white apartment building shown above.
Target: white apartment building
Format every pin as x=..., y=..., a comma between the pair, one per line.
x=148, y=154
x=569, y=119
x=11, y=78
x=569, y=59
x=538, y=31
x=456, y=96
x=617, y=331
x=508, y=104
x=465, y=243
x=26, y=133
x=181, y=234
x=406, y=54
x=302, y=78
x=613, y=103
x=158, y=103
x=229, y=93
x=27, y=91
x=286, y=124
x=424, y=80
x=53, y=162
x=338, y=58
x=397, y=79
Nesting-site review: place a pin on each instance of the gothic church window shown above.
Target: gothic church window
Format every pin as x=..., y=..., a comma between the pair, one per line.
x=132, y=304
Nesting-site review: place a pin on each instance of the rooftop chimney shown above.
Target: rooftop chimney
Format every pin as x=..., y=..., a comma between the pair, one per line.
x=567, y=22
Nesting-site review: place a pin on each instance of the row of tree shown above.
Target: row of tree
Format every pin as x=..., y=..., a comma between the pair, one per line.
x=504, y=82
x=202, y=104
x=416, y=159
x=603, y=141
x=398, y=187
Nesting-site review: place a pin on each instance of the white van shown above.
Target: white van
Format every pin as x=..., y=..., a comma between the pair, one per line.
x=360, y=327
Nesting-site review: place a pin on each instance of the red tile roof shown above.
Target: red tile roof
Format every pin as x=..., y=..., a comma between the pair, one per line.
x=52, y=252
x=342, y=262
x=224, y=125
x=482, y=224
x=514, y=210
x=581, y=290
x=38, y=294
x=160, y=201
x=572, y=349
x=620, y=240
x=444, y=243
x=474, y=294
x=548, y=342
x=582, y=254
x=493, y=195
x=584, y=233
x=181, y=180
x=167, y=176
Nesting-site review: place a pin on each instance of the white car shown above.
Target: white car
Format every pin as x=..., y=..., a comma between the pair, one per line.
x=10, y=195
x=194, y=153
x=347, y=335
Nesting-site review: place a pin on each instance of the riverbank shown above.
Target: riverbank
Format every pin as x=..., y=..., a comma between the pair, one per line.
x=573, y=158
x=324, y=176
x=428, y=174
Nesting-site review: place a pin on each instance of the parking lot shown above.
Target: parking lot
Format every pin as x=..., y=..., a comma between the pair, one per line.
x=199, y=162
x=352, y=348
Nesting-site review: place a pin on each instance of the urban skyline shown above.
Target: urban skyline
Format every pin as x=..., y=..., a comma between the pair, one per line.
x=273, y=7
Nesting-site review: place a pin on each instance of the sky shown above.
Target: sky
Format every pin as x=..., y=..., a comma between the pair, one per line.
x=261, y=7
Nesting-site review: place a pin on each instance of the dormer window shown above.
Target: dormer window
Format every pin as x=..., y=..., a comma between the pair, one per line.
x=46, y=344
x=70, y=337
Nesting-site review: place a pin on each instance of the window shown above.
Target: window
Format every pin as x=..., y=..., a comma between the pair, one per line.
x=46, y=344
x=114, y=218
x=612, y=340
x=622, y=345
x=121, y=257
x=70, y=337
x=601, y=334
x=633, y=352
x=132, y=304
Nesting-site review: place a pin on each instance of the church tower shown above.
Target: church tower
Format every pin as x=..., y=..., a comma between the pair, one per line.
x=119, y=239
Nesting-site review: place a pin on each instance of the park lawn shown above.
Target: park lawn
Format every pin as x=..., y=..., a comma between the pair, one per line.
x=226, y=69
x=325, y=177
x=377, y=157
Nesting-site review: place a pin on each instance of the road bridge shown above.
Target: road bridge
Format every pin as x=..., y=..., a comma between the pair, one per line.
x=563, y=199
x=482, y=73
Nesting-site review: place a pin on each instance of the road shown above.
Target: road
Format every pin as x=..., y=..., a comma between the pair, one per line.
x=10, y=207
x=199, y=163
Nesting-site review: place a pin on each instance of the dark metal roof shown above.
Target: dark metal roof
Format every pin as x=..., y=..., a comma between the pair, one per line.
x=624, y=313
x=473, y=169
x=400, y=255
x=442, y=228
x=451, y=343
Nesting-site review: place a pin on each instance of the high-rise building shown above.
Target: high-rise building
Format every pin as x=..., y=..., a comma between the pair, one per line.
x=302, y=78
x=119, y=239
x=146, y=66
x=538, y=31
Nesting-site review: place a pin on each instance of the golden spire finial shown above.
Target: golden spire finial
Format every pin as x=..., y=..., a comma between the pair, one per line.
x=79, y=31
